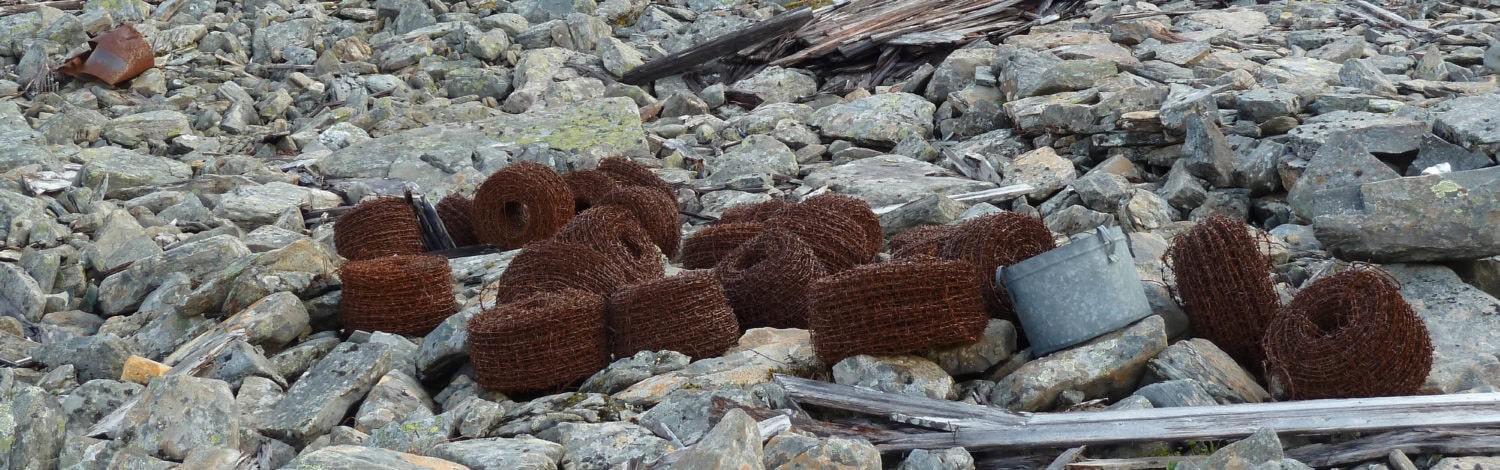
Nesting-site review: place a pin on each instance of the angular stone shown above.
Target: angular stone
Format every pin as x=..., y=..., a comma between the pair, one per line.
x=931, y=209
x=1109, y=366
x=501, y=454
x=295, y=360
x=323, y=396
x=1201, y=361
x=32, y=423
x=126, y=169
x=788, y=451
x=1176, y=393
x=1263, y=104
x=241, y=361
x=957, y=71
x=415, y=434
x=347, y=457
x=1467, y=463
x=254, y=206
x=94, y=400
x=1361, y=74
x=606, y=445
x=542, y=414
x=119, y=241
x=779, y=85
x=892, y=179
x=1469, y=121
x=134, y=129
x=761, y=352
x=1146, y=211
x=396, y=398
x=734, y=443
x=19, y=293
x=1434, y=150
x=757, y=155
x=1379, y=133
x=1260, y=448
x=907, y=375
x=1462, y=323
x=1205, y=152
x=179, y=413
x=1103, y=192
x=947, y=459
x=95, y=357
x=689, y=413
x=123, y=291
x=882, y=120
x=995, y=347
x=1342, y=162
x=631, y=370
x=1043, y=169
x=1417, y=219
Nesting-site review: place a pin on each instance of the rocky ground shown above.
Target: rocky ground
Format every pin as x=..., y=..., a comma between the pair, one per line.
x=153, y=218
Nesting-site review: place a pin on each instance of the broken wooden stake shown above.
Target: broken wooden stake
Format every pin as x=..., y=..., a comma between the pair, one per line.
x=984, y=428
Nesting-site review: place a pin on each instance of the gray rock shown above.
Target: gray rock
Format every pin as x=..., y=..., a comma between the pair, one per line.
x=1343, y=162
x=891, y=179
x=396, y=398
x=947, y=459
x=1077, y=219
x=1468, y=121
x=1300, y=238
x=94, y=400
x=1183, y=190
x=123, y=291
x=501, y=454
x=757, y=155
x=85, y=453
x=689, y=413
x=32, y=422
x=20, y=293
x=1420, y=218
x=125, y=169
x=605, y=445
x=1175, y=393
x=1232, y=203
x=907, y=375
x=1340, y=50
x=1184, y=101
x=446, y=347
x=1260, y=448
x=786, y=451
x=1434, y=150
x=1043, y=169
x=1460, y=319
x=1109, y=366
x=1379, y=133
x=254, y=206
x=882, y=120
x=761, y=352
x=270, y=237
x=734, y=443
x=631, y=370
x=256, y=396
x=1256, y=170
x=324, y=394
x=542, y=414
x=779, y=85
x=1361, y=74
x=349, y=457
x=619, y=57
x=295, y=360
x=95, y=357
x=119, y=241
x=1023, y=73
x=240, y=361
x=210, y=457
x=1146, y=211
x=541, y=11
x=414, y=435
x=1103, y=192
x=271, y=323
x=1263, y=104
x=1466, y=463
x=1209, y=368
x=179, y=413
x=134, y=129
x=957, y=71
x=997, y=345
x=1205, y=151
x=931, y=209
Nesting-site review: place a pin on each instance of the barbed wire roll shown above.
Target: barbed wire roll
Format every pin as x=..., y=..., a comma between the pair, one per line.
x=767, y=280
x=554, y=265
x=454, y=210
x=541, y=343
x=994, y=240
x=588, y=187
x=709, y=245
x=521, y=203
x=687, y=313
x=1225, y=286
x=405, y=295
x=627, y=172
x=757, y=212
x=835, y=237
x=378, y=227
x=922, y=240
x=656, y=212
x=1348, y=335
x=896, y=307
x=614, y=231
x=859, y=211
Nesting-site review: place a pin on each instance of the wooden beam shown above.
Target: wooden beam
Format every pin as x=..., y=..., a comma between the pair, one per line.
x=985, y=428
x=682, y=61
x=1417, y=441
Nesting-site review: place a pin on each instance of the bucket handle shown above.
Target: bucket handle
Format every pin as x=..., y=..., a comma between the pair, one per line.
x=1109, y=243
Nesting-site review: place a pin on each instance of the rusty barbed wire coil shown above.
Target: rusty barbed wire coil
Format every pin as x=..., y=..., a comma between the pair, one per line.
x=555, y=265
x=656, y=212
x=588, y=187
x=405, y=295
x=759, y=212
x=834, y=236
x=858, y=210
x=1348, y=335
x=922, y=240
x=627, y=172
x=709, y=245
x=767, y=280
x=687, y=313
x=990, y=241
x=1225, y=286
x=614, y=231
x=455, y=210
x=378, y=227
x=521, y=203
x=541, y=343
x=896, y=307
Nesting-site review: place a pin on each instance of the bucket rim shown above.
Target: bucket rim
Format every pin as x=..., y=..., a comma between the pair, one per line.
x=1038, y=263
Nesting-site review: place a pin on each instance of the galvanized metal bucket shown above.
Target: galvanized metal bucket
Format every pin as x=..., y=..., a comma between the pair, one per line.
x=1077, y=292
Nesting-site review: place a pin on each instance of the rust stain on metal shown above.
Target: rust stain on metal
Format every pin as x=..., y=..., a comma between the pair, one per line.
x=115, y=56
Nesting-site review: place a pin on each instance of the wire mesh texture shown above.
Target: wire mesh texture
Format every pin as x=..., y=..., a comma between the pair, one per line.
x=767, y=280
x=858, y=210
x=757, y=212
x=627, y=172
x=922, y=240
x=455, y=210
x=1348, y=335
x=554, y=265
x=405, y=295
x=378, y=227
x=521, y=203
x=990, y=241
x=656, y=212
x=613, y=231
x=588, y=187
x=1225, y=286
x=896, y=307
x=540, y=343
x=834, y=234
x=687, y=313
x=709, y=245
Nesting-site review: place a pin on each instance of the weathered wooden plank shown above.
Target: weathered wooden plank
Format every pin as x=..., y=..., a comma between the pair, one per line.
x=1144, y=463
x=1417, y=441
x=685, y=60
